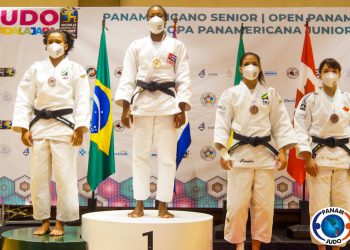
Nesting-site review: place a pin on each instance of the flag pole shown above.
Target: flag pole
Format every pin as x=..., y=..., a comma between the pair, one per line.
x=304, y=183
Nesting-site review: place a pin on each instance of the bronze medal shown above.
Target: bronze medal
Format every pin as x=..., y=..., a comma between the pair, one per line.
x=334, y=118
x=254, y=109
x=156, y=63
x=52, y=81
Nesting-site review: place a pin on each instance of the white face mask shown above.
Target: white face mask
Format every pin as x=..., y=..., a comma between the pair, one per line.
x=330, y=79
x=156, y=25
x=250, y=72
x=55, y=50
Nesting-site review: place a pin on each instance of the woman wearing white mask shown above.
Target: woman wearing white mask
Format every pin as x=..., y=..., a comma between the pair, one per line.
x=322, y=125
x=155, y=91
x=256, y=114
x=52, y=113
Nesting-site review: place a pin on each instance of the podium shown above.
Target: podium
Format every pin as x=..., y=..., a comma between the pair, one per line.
x=114, y=230
x=23, y=239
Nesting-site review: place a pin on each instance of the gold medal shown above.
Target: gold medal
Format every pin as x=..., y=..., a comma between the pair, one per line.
x=254, y=109
x=156, y=63
x=334, y=118
x=52, y=81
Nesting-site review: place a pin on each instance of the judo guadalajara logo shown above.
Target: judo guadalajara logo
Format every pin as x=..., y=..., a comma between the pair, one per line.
x=331, y=226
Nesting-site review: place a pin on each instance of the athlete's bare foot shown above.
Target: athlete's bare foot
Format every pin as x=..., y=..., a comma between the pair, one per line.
x=163, y=211
x=58, y=229
x=43, y=229
x=138, y=211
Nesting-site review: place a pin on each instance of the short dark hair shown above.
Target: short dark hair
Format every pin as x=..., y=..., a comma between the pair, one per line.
x=68, y=38
x=331, y=63
x=160, y=7
x=261, y=77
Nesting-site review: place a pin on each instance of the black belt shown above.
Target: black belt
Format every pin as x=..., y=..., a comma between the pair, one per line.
x=57, y=115
x=153, y=86
x=329, y=142
x=254, y=141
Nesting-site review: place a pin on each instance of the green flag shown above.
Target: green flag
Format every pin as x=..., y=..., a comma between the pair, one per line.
x=101, y=155
x=238, y=76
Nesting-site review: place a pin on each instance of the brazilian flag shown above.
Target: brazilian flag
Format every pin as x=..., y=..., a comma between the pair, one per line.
x=238, y=76
x=101, y=155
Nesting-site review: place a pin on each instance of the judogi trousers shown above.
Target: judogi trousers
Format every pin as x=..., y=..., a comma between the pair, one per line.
x=160, y=131
x=329, y=188
x=249, y=188
x=58, y=157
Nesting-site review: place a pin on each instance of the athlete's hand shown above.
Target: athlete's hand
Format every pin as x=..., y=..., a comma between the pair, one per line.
x=226, y=164
x=179, y=119
x=127, y=118
x=281, y=160
x=77, y=137
x=27, y=138
x=311, y=167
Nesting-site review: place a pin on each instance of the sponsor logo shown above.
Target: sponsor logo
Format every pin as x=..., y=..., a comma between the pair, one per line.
x=202, y=126
x=208, y=99
x=7, y=72
x=27, y=21
x=208, y=153
x=118, y=72
x=121, y=153
x=246, y=161
x=201, y=74
x=265, y=98
x=5, y=124
x=292, y=72
x=118, y=126
x=26, y=152
x=91, y=71
x=286, y=100
x=69, y=20
x=82, y=152
x=331, y=226
x=270, y=73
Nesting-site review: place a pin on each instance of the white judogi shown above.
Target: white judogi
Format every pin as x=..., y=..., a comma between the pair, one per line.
x=52, y=149
x=251, y=181
x=153, y=111
x=312, y=118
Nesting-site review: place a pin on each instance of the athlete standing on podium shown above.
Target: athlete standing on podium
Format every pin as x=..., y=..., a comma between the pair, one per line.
x=256, y=114
x=154, y=91
x=56, y=93
x=322, y=126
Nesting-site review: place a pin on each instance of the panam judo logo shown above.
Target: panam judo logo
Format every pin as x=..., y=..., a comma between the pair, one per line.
x=331, y=226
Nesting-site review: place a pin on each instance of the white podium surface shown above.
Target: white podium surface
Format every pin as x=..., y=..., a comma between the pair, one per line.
x=114, y=230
